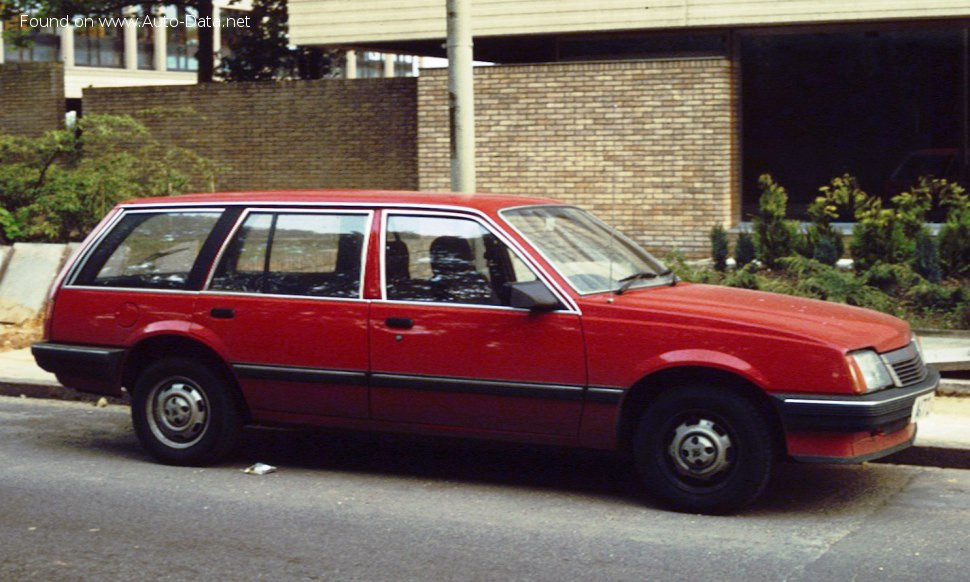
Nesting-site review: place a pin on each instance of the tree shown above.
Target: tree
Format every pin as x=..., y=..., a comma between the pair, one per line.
x=262, y=52
x=11, y=9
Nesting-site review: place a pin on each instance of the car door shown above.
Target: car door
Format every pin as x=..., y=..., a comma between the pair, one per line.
x=446, y=347
x=285, y=302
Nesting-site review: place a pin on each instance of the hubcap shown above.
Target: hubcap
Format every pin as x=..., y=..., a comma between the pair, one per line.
x=178, y=412
x=700, y=449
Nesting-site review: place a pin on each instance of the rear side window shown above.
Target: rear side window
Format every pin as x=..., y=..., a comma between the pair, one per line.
x=300, y=254
x=149, y=250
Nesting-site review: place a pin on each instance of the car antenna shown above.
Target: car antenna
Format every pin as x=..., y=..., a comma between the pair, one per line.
x=612, y=227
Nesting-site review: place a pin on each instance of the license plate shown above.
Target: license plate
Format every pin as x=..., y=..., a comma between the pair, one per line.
x=921, y=408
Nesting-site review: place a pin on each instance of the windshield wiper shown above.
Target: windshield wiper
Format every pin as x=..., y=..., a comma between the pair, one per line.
x=631, y=279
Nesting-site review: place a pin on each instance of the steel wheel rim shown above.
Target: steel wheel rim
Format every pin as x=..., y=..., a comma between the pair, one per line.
x=177, y=409
x=701, y=450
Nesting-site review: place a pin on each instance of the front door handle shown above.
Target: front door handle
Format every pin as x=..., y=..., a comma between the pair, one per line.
x=222, y=313
x=399, y=322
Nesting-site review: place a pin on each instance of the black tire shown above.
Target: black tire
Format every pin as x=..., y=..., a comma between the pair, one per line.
x=704, y=449
x=184, y=413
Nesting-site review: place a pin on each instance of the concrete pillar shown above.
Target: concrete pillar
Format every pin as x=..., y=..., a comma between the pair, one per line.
x=216, y=35
x=131, y=39
x=160, y=57
x=388, y=65
x=350, y=67
x=67, y=45
x=461, y=96
x=1, y=43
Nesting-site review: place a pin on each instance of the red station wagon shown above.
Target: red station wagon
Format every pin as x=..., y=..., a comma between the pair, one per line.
x=499, y=317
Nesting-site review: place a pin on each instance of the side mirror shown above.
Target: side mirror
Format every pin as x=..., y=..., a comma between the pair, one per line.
x=532, y=295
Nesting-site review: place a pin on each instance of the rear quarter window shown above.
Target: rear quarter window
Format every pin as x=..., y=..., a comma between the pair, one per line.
x=149, y=250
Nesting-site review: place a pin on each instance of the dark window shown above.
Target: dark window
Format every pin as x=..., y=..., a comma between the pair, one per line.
x=449, y=260
x=99, y=46
x=150, y=250
x=182, y=41
x=145, y=39
x=885, y=106
x=644, y=46
x=43, y=44
x=306, y=254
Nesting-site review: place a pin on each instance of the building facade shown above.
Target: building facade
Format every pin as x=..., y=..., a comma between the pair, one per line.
x=811, y=89
x=131, y=48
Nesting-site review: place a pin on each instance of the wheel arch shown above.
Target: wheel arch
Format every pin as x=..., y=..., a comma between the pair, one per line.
x=639, y=396
x=151, y=349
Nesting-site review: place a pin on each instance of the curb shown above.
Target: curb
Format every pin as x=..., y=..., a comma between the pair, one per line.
x=16, y=388
x=953, y=387
x=930, y=457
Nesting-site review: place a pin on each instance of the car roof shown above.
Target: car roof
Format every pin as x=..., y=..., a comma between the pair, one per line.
x=483, y=202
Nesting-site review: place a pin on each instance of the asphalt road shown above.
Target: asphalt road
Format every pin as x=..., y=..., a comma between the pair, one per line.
x=80, y=500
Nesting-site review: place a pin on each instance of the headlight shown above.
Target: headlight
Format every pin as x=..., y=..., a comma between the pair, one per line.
x=869, y=371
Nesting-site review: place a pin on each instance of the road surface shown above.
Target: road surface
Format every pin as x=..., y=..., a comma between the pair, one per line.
x=80, y=500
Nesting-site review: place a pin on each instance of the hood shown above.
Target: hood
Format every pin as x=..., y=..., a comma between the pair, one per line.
x=843, y=326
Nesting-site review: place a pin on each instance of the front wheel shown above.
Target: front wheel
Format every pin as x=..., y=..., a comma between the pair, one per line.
x=184, y=413
x=704, y=449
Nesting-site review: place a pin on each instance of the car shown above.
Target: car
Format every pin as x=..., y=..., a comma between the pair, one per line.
x=497, y=317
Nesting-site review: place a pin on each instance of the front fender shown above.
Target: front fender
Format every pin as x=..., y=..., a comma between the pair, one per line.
x=702, y=358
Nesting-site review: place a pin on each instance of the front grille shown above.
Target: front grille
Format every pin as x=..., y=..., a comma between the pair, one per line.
x=906, y=365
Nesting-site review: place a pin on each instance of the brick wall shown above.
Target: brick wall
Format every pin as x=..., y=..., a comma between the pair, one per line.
x=647, y=145
x=31, y=98
x=301, y=134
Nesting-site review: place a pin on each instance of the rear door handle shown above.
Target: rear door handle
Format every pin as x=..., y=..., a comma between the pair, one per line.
x=222, y=313
x=399, y=322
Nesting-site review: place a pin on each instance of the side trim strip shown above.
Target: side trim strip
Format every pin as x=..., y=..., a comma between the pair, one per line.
x=429, y=383
x=475, y=386
x=297, y=374
x=604, y=395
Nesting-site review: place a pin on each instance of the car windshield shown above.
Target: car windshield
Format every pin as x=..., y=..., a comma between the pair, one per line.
x=593, y=257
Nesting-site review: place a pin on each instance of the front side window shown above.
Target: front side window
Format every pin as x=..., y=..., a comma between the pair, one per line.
x=149, y=250
x=448, y=260
x=590, y=255
x=305, y=254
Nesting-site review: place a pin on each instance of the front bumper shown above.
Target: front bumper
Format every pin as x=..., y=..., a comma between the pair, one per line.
x=885, y=411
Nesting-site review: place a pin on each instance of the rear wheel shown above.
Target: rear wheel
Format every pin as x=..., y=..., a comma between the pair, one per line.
x=704, y=449
x=184, y=413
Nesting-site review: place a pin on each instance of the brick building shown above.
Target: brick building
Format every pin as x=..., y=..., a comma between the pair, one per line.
x=673, y=108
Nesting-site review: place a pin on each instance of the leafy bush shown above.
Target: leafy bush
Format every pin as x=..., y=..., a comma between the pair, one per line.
x=690, y=273
x=891, y=278
x=744, y=250
x=927, y=259
x=821, y=241
x=774, y=235
x=55, y=188
x=744, y=278
x=955, y=233
x=719, y=247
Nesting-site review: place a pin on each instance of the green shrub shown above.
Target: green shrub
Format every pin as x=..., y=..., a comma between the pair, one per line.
x=774, y=235
x=744, y=250
x=891, y=278
x=676, y=262
x=55, y=188
x=743, y=278
x=821, y=241
x=928, y=297
x=878, y=236
x=955, y=234
x=719, y=247
x=927, y=259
